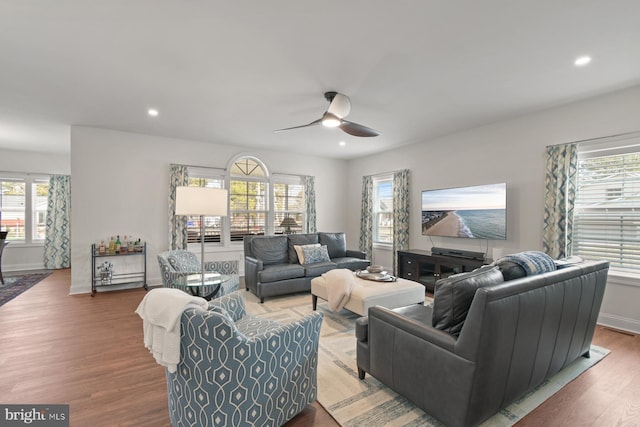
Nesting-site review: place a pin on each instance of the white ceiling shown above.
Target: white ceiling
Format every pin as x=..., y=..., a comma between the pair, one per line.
x=233, y=71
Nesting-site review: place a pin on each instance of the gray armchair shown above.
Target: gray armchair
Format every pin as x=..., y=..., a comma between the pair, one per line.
x=241, y=370
x=177, y=264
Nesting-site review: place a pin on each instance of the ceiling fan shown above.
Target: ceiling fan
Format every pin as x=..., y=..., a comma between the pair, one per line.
x=339, y=107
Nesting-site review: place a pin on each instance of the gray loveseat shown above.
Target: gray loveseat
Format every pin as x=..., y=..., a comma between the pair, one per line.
x=272, y=266
x=516, y=334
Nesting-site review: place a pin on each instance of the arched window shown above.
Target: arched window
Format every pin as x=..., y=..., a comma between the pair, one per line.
x=259, y=202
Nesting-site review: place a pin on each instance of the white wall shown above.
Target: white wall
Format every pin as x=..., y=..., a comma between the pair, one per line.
x=511, y=151
x=18, y=256
x=120, y=185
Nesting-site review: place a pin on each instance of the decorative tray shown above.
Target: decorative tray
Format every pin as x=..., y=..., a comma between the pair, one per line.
x=381, y=276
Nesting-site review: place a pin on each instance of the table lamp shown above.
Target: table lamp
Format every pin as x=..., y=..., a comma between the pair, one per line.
x=202, y=201
x=288, y=222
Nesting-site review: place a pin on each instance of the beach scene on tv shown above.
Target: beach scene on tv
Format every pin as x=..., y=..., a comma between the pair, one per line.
x=478, y=212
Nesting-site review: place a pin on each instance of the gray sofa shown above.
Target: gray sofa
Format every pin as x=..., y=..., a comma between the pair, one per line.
x=272, y=266
x=487, y=343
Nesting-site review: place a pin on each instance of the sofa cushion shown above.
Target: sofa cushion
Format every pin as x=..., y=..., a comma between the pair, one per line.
x=319, y=268
x=300, y=253
x=300, y=240
x=453, y=297
x=351, y=263
x=275, y=272
x=271, y=250
x=510, y=270
x=336, y=244
x=314, y=254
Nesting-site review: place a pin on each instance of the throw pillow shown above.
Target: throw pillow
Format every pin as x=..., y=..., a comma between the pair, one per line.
x=533, y=262
x=510, y=270
x=453, y=296
x=300, y=253
x=314, y=254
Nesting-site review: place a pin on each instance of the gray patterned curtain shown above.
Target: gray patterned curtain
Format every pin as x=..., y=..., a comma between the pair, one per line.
x=366, y=217
x=310, y=202
x=400, y=214
x=177, y=226
x=57, y=240
x=560, y=191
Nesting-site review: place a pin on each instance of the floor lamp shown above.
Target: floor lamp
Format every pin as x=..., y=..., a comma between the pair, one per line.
x=202, y=201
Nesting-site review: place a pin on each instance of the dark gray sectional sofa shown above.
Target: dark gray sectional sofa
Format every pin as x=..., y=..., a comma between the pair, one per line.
x=272, y=266
x=487, y=343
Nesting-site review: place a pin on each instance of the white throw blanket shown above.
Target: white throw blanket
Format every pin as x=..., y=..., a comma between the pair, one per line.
x=160, y=310
x=339, y=283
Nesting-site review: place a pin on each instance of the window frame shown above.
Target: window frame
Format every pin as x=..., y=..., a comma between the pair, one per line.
x=30, y=210
x=208, y=174
x=377, y=182
x=263, y=178
x=584, y=240
x=300, y=215
x=268, y=180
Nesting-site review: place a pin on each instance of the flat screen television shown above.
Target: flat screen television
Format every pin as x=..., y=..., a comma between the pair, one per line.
x=477, y=212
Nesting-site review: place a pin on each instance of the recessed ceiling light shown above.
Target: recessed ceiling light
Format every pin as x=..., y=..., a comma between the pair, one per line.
x=342, y=143
x=582, y=61
x=152, y=112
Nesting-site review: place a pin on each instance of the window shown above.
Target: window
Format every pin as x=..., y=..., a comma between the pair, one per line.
x=607, y=207
x=258, y=203
x=23, y=208
x=201, y=177
x=248, y=205
x=383, y=209
x=289, y=205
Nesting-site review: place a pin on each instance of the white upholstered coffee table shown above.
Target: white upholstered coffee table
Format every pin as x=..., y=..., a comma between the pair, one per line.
x=367, y=293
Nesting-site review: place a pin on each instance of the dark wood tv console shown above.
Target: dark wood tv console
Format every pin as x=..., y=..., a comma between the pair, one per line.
x=424, y=267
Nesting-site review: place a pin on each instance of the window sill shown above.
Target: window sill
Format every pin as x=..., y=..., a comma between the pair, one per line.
x=623, y=278
x=383, y=246
x=14, y=244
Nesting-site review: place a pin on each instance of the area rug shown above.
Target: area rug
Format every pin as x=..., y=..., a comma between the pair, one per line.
x=17, y=283
x=353, y=402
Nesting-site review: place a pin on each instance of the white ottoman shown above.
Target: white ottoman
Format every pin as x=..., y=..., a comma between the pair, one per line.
x=367, y=293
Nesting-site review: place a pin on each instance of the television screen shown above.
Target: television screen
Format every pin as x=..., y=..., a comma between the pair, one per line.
x=478, y=212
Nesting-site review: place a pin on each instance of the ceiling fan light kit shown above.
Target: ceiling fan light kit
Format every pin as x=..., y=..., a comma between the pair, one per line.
x=339, y=108
x=330, y=120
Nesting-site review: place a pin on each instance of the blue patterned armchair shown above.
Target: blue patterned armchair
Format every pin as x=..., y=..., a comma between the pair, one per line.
x=176, y=264
x=240, y=370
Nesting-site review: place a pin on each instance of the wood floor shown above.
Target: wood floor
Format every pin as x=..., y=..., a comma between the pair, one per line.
x=88, y=352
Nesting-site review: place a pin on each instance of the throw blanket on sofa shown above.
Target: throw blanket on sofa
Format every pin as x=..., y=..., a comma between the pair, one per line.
x=339, y=283
x=160, y=310
x=533, y=262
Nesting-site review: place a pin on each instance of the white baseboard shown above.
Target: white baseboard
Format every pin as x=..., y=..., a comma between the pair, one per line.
x=86, y=288
x=617, y=322
x=23, y=267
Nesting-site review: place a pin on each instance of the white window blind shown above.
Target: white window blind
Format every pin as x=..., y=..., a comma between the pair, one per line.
x=607, y=208
x=23, y=207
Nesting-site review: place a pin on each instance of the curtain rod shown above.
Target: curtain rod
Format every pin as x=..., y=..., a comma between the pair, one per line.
x=225, y=169
x=388, y=172
x=632, y=133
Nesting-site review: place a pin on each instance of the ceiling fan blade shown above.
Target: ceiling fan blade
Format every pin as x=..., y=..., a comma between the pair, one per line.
x=357, y=130
x=340, y=105
x=313, y=123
